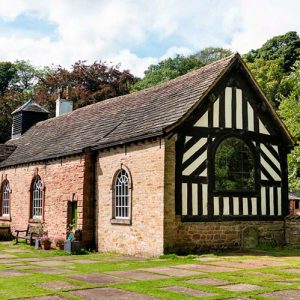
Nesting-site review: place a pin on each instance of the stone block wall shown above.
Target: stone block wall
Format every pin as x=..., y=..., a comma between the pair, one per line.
x=292, y=231
x=144, y=236
x=63, y=180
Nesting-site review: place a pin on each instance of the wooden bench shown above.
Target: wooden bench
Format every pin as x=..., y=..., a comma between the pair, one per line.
x=31, y=233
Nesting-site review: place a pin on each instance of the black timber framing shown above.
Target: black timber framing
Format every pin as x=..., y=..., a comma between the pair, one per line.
x=233, y=79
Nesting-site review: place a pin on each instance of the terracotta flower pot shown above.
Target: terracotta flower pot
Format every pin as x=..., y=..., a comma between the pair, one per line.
x=46, y=245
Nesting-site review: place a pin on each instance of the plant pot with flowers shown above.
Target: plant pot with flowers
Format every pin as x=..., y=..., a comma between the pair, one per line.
x=59, y=243
x=46, y=243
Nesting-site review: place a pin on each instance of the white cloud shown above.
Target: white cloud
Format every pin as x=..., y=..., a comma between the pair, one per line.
x=115, y=30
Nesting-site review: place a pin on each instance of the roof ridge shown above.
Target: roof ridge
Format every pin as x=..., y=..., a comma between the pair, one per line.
x=146, y=90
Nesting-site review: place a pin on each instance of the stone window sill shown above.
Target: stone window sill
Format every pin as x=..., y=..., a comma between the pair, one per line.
x=120, y=221
x=35, y=220
x=5, y=218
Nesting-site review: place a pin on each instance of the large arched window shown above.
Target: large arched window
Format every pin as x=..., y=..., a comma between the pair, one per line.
x=37, y=198
x=5, y=198
x=122, y=195
x=234, y=166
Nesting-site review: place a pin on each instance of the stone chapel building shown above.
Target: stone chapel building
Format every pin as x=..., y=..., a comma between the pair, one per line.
x=188, y=165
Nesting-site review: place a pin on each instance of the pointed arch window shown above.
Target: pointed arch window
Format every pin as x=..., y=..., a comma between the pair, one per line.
x=5, y=199
x=37, y=198
x=122, y=199
x=234, y=166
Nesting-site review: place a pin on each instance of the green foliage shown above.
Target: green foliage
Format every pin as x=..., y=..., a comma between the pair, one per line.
x=171, y=68
x=166, y=70
x=269, y=74
x=284, y=47
x=211, y=54
x=289, y=111
x=7, y=73
x=234, y=166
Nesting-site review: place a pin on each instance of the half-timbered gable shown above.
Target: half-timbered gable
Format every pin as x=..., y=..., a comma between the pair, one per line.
x=231, y=155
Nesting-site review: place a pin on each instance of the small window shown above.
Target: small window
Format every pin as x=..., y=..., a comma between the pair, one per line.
x=297, y=204
x=37, y=198
x=122, y=199
x=234, y=166
x=5, y=191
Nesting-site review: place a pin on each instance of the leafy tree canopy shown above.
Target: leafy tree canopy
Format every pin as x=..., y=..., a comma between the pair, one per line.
x=171, y=68
x=285, y=47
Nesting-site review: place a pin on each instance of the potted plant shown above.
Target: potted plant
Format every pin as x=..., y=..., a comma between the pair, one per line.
x=73, y=242
x=46, y=243
x=59, y=243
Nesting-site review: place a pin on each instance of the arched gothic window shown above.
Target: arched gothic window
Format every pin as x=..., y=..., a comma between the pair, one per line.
x=37, y=198
x=5, y=198
x=234, y=166
x=121, y=195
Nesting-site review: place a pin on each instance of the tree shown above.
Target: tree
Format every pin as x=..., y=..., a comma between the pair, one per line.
x=84, y=84
x=285, y=47
x=269, y=75
x=171, y=68
x=211, y=54
x=289, y=111
x=7, y=73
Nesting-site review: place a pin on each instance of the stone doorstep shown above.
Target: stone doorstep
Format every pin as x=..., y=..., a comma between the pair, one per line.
x=98, y=278
x=205, y=268
x=109, y=294
x=187, y=291
x=241, y=287
x=171, y=271
x=58, y=285
x=209, y=281
x=137, y=275
x=283, y=295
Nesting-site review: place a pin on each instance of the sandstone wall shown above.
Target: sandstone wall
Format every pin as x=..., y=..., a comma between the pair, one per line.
x=144, y=236
x=63, y=181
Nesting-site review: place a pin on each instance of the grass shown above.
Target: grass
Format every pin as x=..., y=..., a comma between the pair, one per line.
x=13, y=287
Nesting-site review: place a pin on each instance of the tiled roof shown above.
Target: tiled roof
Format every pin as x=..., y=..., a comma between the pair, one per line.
x=6, y=151
x=118, y=120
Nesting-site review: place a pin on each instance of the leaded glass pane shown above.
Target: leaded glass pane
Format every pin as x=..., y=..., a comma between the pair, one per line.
x=234, y=166
x=122, y=195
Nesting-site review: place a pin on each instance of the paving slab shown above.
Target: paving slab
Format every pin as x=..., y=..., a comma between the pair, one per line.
x=83, y=261
x=5, y=256
x=52, y=271
x=208, y=281
x=51, y=297
x=13, y=273
x=98, y=278
x=15, y=250
x=110, y=294
x=238, y=298
x=58, y=285
x=50, y=263
x=207, y=258
x=172, y=271
x=137, y=275
x=236, y=264
x=205, y=268
x=241, y=287
x=188, y=291
x=283, y=295
x=291, y=271
x=265, y=263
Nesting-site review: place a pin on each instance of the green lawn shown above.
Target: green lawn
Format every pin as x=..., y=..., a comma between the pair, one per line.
x=27, y=284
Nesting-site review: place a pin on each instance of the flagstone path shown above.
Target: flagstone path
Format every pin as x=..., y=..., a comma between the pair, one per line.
x=31, y=274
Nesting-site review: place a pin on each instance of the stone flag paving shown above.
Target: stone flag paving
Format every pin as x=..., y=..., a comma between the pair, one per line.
x=115, y=277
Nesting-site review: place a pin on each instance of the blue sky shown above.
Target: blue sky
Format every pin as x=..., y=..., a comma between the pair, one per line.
x=136, y=33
